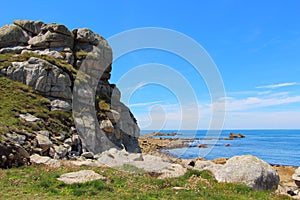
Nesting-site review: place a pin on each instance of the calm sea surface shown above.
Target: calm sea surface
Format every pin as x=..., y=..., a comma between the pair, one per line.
x=273, y=146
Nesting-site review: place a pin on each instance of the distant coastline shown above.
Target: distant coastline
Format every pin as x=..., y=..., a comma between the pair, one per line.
x=276, y=146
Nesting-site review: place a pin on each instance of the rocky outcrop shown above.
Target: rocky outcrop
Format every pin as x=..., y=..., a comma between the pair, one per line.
x=250, y=171
x=72, y=69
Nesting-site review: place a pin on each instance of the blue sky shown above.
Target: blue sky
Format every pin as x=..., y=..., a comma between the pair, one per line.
x=254, y=44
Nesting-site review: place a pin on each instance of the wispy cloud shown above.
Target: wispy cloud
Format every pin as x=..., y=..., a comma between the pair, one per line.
x=279, y=85
x=256, y=102
x=144, y=104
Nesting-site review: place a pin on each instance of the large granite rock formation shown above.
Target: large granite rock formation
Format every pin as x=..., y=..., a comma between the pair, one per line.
x=72, y=69
x=249, y=170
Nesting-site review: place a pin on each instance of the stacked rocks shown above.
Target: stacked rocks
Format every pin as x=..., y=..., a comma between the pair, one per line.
x=72, y=69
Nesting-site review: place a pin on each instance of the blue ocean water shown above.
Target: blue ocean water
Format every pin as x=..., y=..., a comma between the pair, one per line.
x=280, y=147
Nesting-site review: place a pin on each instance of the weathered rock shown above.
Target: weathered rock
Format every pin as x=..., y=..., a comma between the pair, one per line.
x=13, y=50
x=29, y=118
x=113, y=116
x=33, y=27
x=52, y=78
x=85, y=35
x=46, y=52
x=249, y=170
x=12, y=155
x=58, y=152
x=117, y=158
x=207, y=165
x=88, y=155
x=43, y=141
x=107, y=126
x=58, y=104
x=42, y=76
x=296, y=176
x=44, y=160
x=80, y=177
x=17, y=138
x=12, y=35
x=53, y=35
x=162, y=167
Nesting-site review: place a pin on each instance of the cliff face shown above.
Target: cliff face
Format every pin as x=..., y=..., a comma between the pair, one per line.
x=72, y=69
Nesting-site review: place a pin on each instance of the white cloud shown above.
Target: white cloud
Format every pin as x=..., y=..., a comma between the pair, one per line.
x=144, y=104
x=279, y=85
x=256, y=102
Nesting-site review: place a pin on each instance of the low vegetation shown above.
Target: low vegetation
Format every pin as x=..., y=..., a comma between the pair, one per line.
x=17, y=98
x=36, y=182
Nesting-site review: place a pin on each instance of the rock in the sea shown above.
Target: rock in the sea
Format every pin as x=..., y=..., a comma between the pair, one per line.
x=296, y=176
x=236, y=135
x=250, y=171
x=80, y=177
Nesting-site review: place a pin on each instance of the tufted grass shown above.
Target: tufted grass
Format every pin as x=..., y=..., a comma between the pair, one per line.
x=17, y=98
x=39, y=182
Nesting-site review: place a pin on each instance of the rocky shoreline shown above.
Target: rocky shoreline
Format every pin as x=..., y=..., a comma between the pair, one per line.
x=151, y=144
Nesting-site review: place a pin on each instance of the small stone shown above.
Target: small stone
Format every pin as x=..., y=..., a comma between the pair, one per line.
x=29, y=118
x=88, y=155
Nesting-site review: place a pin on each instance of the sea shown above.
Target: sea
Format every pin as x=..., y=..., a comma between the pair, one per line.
x=278, y=147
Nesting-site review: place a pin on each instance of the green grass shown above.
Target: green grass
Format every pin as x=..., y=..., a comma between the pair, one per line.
x=17, y=98
x=36, y=182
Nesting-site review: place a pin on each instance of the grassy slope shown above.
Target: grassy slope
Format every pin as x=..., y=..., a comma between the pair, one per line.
x=17, y=98
x=40, y=183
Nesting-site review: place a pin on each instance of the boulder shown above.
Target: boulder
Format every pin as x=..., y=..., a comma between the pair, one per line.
x=59, y=104
x=13, y=155
x=44, y=160
x=207, y=165
x=117, y=158
x=43, y=142
x=250, y=171
x=85, y=35
x=12, y=35
x=34, y=27
x=53, y=35
x=58, y=152
x=161, y=167
x=80, y=177
x=88, y=155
